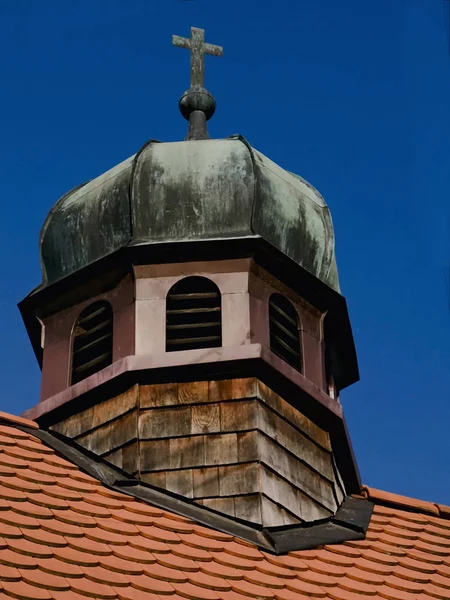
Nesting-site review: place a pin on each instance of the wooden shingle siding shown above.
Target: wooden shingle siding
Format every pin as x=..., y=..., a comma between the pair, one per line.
x=233, y=444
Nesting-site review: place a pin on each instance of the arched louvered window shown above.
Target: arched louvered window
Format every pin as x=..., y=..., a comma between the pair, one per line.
x=193, y=315
x=284, y=331
x=92, y=341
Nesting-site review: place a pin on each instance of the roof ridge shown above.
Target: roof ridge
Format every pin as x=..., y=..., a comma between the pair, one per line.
x=15, y=420
x=384, y=498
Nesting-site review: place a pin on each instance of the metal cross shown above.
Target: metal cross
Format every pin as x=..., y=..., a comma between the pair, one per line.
x=198, y=50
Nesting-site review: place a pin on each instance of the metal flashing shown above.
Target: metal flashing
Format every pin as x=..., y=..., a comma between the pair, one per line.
x=349, y=523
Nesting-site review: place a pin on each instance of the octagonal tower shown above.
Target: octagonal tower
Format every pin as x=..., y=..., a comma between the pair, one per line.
x=191, y=329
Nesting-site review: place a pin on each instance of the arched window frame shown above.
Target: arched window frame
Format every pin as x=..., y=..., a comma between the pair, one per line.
x=285, y=331
x=193, y=314
x=91, y=349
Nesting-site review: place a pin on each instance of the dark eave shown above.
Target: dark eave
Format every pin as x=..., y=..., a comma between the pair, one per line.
x=105, y=273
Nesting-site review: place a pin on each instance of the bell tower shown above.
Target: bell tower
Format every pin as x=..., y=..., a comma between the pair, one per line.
x=190, y=326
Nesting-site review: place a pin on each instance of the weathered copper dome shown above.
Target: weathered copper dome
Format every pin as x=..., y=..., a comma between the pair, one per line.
x=189, y=191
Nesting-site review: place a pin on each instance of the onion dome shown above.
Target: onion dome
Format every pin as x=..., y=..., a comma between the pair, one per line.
x=187, y=191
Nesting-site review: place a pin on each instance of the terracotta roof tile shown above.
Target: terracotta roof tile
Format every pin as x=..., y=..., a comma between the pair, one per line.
x=395, y=499
x=13, y=419
x=10, y=574
x=166, y=574
x=340, y=594
x=87, y=587
x=365, y=576
x=143, y=543
x=58, y=491
x=210, y=582
x=444, y=511
x=251, y=589
x=391, y=593
x=149, y=584
x=194, y=592
x=87, y=508
x=40, y=536
x=44, y=580
x=98, y=534
x=64, y=536
x=283, y=572
x=23, y=546
x=317, y=578
x=159, y=535
x=334, y=558
x=242, y=551
x=69, y=595
x=59, y=527
x=202, y=542
x=217, y=570
x=288, y=562
x=7, y=531
x=105, y=576
x=309, y=589
x=21, y=589
x=443, y=570
x=55, y=566
x=186, y=551
x=270, y=581
x=130, y=554
x=176, y=562
x=231, y=561
x=289, y=595
x=232, y=595
x=440, y=581
x=76, y=557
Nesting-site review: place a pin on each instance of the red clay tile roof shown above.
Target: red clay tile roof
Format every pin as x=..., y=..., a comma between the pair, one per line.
x=64, y=535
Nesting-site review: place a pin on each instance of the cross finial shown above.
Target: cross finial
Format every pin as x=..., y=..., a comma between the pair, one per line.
x=198, y=49
x=197, y=105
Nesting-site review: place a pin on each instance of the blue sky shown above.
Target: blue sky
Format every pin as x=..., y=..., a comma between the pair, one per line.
x=354, y=96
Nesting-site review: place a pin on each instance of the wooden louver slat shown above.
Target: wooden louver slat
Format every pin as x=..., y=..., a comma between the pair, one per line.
x=193, y=315
x=92, y=341
x=284, y=331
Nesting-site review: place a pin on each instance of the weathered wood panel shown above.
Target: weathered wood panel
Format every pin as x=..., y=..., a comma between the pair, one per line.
x=193, y=392
x=206, y=482
x=111, y=436
x=275, y=514
x=180, y=482
x=158, y=423
x=248, y=508
x=223, y=505
x=233, y=445
x=238, y=416
x=186, y=452
x=159, y=394
x=99, y=414
x=157, y=479
x=291, y=414
x=205, y=419
x=294, y=441
x=285, y=494
x=232, y=389
x=126, y=458
x=239, y=479
x=221, y=449
x=296, y=473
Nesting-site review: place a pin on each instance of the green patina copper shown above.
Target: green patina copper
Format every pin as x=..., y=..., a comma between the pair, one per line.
x=193, y=190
